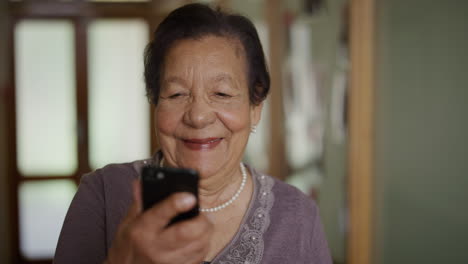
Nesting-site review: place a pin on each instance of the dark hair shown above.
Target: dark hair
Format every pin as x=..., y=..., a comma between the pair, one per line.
x=194, y=21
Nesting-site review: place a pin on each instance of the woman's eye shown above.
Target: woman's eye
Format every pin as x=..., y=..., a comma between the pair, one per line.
x=174, y=96
x=223, y=95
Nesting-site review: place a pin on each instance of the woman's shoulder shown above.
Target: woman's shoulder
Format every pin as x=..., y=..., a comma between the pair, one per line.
x=291, y=197
x=295, y=230
x=115, y=173
x=288, y=199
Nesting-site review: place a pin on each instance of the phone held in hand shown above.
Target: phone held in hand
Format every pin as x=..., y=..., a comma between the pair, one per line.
x=158, y=183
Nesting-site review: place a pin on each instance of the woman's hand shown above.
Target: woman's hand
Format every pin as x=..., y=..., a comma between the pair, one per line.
x=142, y=237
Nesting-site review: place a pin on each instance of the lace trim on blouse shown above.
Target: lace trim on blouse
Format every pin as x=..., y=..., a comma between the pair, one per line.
x=248, y=246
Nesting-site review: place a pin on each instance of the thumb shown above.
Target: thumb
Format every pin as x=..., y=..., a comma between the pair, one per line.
x=136, y=186
x=162, y=213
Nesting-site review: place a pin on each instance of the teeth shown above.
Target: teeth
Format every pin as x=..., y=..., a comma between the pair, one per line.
x=208, y=142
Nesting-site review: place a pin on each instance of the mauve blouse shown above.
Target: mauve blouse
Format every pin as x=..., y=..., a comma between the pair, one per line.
x=282, y=225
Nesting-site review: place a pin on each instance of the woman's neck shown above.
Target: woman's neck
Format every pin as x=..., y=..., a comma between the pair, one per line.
x=219, y=188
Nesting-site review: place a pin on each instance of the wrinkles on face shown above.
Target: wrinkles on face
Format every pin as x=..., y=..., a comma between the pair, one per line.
x=219, y=98
x=204, y=95
x=203, y=80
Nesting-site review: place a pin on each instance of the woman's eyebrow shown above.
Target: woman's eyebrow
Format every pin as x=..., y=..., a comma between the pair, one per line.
x=175, y=79
x=224, y=77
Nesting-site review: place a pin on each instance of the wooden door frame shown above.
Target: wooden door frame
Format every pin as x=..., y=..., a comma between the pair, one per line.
x=361, y=133
x=360, y=174
x=79, y=13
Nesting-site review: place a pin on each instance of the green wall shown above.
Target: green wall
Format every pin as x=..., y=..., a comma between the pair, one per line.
x=421, y=132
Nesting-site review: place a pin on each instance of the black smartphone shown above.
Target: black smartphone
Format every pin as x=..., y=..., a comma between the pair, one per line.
x=158, y=183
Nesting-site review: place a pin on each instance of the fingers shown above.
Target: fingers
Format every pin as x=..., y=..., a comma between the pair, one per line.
x=160, y=215
x=144, y=236
x=182, y=242
x=121, y=251
x=136, y=186
x=187, y=231
x=188, y=241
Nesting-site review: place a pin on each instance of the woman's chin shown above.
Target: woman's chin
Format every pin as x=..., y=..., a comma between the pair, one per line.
x=202, y=159
x=204, y=168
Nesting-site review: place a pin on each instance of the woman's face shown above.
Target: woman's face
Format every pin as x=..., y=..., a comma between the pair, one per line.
x=204, y=116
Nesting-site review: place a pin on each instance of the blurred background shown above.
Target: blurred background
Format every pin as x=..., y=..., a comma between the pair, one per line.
x=367, y=115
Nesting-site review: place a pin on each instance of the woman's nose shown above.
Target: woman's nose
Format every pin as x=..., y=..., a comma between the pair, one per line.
x=199, y=114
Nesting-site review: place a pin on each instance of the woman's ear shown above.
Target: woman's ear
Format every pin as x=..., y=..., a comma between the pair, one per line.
x=256, y=113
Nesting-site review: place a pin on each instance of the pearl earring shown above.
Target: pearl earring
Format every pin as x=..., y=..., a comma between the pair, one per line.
x=253, y=129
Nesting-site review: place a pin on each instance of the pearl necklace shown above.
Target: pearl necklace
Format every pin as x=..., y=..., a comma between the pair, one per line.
x=233, y=198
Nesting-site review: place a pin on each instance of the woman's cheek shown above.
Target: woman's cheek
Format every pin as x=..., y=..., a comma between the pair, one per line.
x=167, y=117
x=234, y=119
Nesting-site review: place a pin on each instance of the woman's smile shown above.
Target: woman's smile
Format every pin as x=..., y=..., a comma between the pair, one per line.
x=202, y=143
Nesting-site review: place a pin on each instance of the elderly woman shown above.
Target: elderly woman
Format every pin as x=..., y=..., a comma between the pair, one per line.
x=206, y=76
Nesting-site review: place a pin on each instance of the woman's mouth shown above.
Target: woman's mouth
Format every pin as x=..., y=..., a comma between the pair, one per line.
x=202, y=143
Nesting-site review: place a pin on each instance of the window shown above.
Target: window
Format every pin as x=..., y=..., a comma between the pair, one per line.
x=46, y=138
x=116, y=89
x=45, y=83
x=70, y=82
